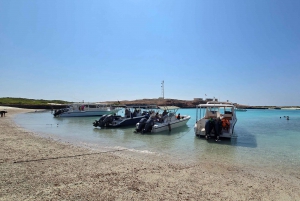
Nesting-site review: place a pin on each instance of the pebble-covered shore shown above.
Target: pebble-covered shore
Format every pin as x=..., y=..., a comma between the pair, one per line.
x=36, y=168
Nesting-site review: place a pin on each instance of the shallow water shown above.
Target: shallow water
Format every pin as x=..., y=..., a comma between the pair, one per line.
x=263, y=138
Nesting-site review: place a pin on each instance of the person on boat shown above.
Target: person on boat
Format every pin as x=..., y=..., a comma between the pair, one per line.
x=157, y=117
x=178, y=116
x=164, y=113
x=147, y=115
x=127, y=113
x=136, y=112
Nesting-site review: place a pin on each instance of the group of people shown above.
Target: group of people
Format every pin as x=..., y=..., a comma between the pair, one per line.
x=157, y=117
x=81, y=108
x=128, y=114
x=287, y=117
x=154, y=115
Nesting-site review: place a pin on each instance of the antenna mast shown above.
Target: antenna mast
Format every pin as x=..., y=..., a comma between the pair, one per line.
x=162, y=90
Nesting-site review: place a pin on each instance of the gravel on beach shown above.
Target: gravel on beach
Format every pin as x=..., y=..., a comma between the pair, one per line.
x=37, y=168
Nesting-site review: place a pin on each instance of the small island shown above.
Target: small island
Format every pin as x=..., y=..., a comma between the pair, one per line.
x=58, y=104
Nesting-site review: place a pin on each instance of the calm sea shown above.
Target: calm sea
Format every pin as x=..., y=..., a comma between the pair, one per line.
x=263, y=138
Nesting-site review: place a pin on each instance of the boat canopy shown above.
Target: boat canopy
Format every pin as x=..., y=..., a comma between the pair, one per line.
x=141, y=106
x=215, y=105
x=168, y=107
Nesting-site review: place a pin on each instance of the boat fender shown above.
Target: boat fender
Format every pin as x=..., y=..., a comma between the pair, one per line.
x=169, y=125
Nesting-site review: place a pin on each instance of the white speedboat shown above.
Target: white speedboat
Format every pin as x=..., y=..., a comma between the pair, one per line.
x=167, y=120
x=86, y=109
x=215, y=119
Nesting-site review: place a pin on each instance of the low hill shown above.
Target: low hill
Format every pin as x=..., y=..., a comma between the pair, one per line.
x=32, y=103
x=57, y=104
x=175, y=102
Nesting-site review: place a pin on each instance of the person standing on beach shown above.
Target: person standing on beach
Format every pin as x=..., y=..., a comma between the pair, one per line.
x=3, y=113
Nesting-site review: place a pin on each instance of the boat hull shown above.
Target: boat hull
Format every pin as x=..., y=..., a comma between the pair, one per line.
x=126, y=122
x=224, y=134
x=87, y=113
x=169, y=126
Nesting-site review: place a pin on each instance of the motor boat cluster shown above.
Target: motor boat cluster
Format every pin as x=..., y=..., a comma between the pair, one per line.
x=148, y=120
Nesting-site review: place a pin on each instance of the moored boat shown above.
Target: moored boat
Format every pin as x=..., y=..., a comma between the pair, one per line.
x=167, y=120
x=215, y=120
x=86, y=109
x=133, y=115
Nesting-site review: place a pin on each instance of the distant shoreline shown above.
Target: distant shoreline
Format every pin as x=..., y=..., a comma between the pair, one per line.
x=58, y=104
x=49, y=107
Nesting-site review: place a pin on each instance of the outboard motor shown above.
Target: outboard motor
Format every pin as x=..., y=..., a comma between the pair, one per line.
x=58, y=112
x=209, y=125
x=147, y=115
x=142, y=124
x=148, y=126
x=108, y=119
x=99, y=122
x=218, y=128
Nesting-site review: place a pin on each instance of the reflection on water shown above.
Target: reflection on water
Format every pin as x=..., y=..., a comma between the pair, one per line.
x=263, y=138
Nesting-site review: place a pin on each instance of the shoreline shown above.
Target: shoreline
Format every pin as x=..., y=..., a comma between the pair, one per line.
x=36, y=168
x=186, y=104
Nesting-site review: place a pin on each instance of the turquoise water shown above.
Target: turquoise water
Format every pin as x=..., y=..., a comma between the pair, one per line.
x=263, y=138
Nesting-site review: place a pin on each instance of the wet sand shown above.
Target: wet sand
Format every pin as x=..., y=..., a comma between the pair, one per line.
x=36, y=168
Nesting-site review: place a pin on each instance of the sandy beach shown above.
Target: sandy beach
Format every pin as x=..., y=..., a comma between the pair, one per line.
x=36, y=168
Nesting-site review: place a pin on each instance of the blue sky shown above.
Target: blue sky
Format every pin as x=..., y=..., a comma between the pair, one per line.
x=243, y=51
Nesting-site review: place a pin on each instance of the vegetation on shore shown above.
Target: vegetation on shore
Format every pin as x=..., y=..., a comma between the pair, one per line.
x=158, y=101
x=26, y=101
x=55, y=104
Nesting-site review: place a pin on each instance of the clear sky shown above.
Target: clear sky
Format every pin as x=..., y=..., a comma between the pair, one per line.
x=242, y=51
